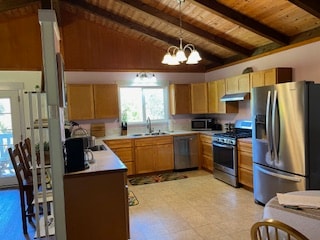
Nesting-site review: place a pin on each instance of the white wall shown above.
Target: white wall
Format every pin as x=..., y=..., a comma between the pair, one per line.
x=305, y=61
x=29, y=78
x=117, y=77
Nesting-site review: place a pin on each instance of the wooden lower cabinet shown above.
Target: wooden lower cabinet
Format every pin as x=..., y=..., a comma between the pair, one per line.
x=245, y=162
x=123, y=148
x=96, y=206
x=206, y=152
x=153, y=154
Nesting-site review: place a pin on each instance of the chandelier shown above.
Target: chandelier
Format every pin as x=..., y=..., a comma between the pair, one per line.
x=176, y=55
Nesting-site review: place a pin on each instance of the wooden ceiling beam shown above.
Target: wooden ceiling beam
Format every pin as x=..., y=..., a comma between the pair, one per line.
x=311, y=6
x=244, y=21
x=140, y=28
x=189, y=27
x=12, y=4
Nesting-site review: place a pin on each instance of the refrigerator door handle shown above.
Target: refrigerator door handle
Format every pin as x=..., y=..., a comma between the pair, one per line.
x=274, y=137
x=268, y=121
x=278, y=175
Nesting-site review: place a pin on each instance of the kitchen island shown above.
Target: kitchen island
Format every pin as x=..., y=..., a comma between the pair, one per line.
x=96, y=199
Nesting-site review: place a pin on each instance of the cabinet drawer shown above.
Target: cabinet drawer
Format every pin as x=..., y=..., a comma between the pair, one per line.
x=125, y=154
x=205, y=138
x=244, y=145
x=147, y=141
x=245, y=177
x=118, y=143
x=163, y=140
x=245, y=160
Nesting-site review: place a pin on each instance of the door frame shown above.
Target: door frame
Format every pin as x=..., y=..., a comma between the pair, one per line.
x=19, y=132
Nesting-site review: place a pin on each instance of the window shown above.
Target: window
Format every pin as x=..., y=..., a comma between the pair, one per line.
x=139, y=103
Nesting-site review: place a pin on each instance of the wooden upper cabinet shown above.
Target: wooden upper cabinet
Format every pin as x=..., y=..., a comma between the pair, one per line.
x=199, y=98
x=90, y=101
x=216, y=90
x=80, y=101
x=270, y=77
x=238, y=84
x=244, y=83
x=180, y=99
x=106, y=100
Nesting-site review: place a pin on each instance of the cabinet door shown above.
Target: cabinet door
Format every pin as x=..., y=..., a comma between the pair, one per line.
x=231, y=85
x=106, y=101
x=216, y=90
x=244, y=83
x=164, y=157
x=207, y=156
x=213, y=100
x=257, y=79
x=80, y=101
x=145, y=161
x=199, y=98
x=246, y=177
x=180, y=99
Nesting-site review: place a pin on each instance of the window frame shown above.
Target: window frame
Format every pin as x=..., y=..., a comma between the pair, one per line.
x=144, y=117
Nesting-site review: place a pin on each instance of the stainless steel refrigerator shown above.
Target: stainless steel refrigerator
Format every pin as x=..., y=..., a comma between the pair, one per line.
x=285, y=138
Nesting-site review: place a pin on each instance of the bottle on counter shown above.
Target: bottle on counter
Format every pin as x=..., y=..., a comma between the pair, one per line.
x=124, y=128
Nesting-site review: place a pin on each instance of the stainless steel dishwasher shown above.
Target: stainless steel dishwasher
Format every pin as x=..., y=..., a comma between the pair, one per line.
x=186, y=151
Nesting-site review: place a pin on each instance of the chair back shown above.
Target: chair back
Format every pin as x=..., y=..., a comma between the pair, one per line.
x=18, y=165
x=270, y=229
x=26, y=155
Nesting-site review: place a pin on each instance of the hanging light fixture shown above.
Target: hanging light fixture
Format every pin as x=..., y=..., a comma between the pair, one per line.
x=176, y=55
x=144, y=77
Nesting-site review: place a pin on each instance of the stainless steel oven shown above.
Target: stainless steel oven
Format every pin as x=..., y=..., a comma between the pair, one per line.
x=225, y=163
x=225, y=154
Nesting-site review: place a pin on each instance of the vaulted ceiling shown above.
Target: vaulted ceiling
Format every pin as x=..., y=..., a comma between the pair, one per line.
x=223, y=31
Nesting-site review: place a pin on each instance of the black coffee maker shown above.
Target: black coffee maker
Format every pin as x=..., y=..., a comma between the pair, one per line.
x=74, y=155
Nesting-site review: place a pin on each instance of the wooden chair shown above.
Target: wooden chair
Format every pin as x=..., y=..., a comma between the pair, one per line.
x=270, y=229
x=25, y=148
x=25, y=186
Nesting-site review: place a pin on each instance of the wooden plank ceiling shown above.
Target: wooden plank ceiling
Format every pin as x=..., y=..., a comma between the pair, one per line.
x=223, y=31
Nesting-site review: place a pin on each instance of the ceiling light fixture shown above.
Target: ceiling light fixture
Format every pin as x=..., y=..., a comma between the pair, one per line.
x=176, y=55
x=145, y=77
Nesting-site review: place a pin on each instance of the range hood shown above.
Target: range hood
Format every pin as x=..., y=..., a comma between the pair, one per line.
x=234, y=97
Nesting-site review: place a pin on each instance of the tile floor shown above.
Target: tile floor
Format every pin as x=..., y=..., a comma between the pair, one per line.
x=197, y=208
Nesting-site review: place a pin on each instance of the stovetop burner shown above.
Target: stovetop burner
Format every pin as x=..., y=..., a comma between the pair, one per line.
x=241, y=130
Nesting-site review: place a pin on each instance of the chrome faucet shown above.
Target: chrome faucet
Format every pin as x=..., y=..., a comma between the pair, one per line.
x=149, y=130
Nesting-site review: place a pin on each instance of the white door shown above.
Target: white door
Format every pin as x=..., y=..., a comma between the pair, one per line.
x=10, y=134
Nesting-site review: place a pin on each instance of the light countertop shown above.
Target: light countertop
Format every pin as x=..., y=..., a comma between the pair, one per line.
x=105, y=161
x=175, y=133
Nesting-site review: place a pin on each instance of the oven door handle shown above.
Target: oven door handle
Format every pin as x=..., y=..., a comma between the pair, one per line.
x=222, y=145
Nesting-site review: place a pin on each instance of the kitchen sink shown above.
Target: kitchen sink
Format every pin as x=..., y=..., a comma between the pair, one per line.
x=158, y=133
x=148, y=134
x=98, y=148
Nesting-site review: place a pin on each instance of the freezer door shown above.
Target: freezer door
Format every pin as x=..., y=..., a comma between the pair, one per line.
x=267, y=182
x=261, y=130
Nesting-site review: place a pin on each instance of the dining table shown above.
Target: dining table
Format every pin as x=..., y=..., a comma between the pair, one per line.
x=302, y=217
